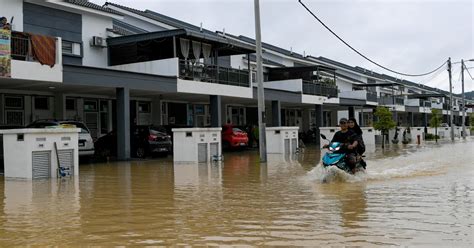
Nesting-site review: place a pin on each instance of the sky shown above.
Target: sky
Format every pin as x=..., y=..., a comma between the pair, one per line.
x=412, y=37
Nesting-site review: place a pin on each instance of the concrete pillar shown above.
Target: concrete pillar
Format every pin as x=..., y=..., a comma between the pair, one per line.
x=411, y=121
x=351, y=112
x=318, y=111
x=425, y=122
x=59, y=106
x=306, y=118
x=156, y=111
x=276, y=113
x=216, y=110
x=123, y=123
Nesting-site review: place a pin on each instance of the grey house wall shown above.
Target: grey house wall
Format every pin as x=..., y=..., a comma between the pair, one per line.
x=48, y=21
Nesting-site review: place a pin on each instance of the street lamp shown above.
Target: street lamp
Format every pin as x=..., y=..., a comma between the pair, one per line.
x=260, y=94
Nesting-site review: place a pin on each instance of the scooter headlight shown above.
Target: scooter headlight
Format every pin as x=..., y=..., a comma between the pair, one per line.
x=331, y=148
x=337, y=148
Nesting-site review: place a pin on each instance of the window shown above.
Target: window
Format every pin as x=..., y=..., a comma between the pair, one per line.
x=90, y=105
x=72, y=48
x=41, y=103
x=144, y=107
x=70, y=104
x=14, y=102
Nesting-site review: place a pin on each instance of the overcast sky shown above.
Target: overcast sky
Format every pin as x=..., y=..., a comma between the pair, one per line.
x=408, y=36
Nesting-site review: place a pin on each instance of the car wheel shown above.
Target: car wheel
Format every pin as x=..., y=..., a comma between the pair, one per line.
x=140, y=152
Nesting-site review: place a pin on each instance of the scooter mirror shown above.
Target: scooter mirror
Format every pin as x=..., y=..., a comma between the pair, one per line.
x=323, y=136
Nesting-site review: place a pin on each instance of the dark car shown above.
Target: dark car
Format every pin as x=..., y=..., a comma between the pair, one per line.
x=144, y=141
x=5, y=127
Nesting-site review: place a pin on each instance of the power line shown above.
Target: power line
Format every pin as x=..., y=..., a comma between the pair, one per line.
x=362, y=55
x=467, y=69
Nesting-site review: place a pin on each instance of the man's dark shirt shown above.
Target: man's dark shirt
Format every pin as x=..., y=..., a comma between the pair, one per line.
x=341, y=137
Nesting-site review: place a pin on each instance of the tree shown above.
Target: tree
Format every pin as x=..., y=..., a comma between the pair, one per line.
x=435, y=121
x=384, y=122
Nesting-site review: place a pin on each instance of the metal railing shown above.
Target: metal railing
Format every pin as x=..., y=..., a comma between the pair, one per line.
x=388, y=100
x=213, y=74
x=371, y=96
x=21, y=47
x=425, y=103
x=319, y=89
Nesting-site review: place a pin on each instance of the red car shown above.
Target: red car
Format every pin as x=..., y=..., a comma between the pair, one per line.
x=233, y=137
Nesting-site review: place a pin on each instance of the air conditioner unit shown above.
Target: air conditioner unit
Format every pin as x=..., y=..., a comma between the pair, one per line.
x=98, y=41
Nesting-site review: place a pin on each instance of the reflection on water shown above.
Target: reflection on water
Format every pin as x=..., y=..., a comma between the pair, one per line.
x=410, y=196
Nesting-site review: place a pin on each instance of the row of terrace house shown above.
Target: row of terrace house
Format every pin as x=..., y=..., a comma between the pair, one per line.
x=113, y=66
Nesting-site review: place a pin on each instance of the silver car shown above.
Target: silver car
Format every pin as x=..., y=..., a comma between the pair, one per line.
x=86, y=144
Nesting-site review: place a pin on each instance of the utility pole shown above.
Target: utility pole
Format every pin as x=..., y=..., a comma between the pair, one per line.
x=463, y=102
x=260, y=96
x=450, y=100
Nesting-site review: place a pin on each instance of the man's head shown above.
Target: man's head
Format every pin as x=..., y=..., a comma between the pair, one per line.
x=343, y=123
x=3, y=20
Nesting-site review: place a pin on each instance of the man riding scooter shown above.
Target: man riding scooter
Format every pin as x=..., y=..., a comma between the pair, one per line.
x=346, y=136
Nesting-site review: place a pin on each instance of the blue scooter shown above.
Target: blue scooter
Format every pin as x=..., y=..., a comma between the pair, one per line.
x=336, y=156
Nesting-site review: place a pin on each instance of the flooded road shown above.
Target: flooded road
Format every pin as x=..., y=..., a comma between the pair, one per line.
x=416, y=196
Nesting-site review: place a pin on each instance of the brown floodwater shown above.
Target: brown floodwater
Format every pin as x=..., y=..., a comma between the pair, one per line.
x=410, y=196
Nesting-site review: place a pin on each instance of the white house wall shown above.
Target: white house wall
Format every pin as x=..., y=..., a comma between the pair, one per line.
x=94, y=25
x=186, y=86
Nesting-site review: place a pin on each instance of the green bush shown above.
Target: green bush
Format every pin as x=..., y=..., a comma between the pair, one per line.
x=430, y=136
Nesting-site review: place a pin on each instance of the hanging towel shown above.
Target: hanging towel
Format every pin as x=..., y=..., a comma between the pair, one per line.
x=44, y=49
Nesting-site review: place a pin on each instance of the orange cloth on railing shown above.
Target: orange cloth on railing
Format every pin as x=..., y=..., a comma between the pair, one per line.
x=44, y=49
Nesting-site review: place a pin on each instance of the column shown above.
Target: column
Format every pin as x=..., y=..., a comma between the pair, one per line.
x=156, y=111
x=351, y=112
x=123, y=123
x=425, y=122
x=411, y=119
x=59, y=106
x=216, y=112
x=318, y=109
x=276, y=113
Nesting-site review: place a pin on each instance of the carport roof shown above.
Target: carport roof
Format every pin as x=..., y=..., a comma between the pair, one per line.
x=228, y=46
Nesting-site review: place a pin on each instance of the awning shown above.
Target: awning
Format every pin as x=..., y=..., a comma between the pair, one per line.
x=163, y=44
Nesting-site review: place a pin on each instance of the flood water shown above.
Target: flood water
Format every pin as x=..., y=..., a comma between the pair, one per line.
x=415, y=196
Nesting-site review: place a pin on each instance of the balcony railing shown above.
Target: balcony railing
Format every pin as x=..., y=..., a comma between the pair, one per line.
x=213, y=74
x=371, y=96
x=387, y=100
x=425, y=104
x=21, y=47
x=319, y=89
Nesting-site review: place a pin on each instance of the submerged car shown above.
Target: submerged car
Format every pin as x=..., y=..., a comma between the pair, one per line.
x=144, y=141
x=234, y=137
x=86, y=143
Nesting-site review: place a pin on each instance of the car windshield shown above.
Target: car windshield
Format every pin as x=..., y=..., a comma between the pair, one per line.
x=236, y=130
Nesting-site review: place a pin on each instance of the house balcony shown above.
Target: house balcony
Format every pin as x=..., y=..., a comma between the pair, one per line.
x=394, y=103
x=193, y=58
x=196, y=77
x=36, y=57
x=363, y=95
x=418, y=105
x=316, y=84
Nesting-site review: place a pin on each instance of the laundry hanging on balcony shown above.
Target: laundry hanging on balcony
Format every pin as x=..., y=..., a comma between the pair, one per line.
x=196, y=50
x=44, y=49
x=184, y=45
x=206, y=51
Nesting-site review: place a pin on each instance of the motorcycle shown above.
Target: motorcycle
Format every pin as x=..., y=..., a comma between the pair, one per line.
x=336, y=156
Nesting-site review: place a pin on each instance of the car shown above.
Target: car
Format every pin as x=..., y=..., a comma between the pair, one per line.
x=444, y=125
x=144, y=140
x=5, y=127
x=234, y=137
x=86, y=143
